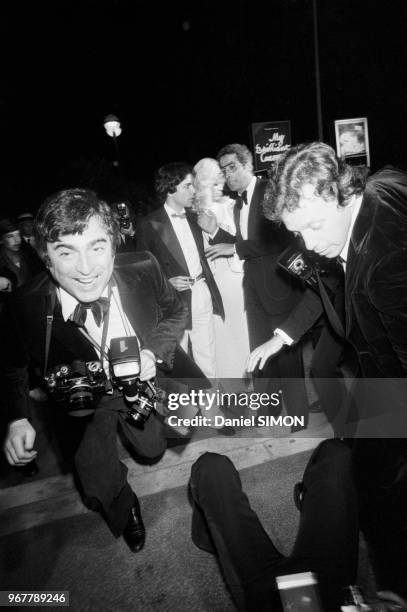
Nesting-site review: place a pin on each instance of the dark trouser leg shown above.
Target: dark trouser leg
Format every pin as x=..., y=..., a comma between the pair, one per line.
x=186, y=371
x=328, y=378
x=380, y=467
x=102, y=475
x=287, y=367
x=327, y=540
x=284, y=371
x=244, y=549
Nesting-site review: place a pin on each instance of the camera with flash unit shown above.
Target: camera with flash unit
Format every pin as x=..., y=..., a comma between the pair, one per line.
x=78, y=386
x=140, y=396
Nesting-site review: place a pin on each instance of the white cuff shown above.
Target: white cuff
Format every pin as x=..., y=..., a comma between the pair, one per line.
x=283, y=336
x=151, y=355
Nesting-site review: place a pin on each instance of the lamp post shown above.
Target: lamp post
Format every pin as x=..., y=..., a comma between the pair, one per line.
x=113, y=129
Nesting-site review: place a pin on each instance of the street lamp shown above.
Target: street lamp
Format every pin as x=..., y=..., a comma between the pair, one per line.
x=113, y=129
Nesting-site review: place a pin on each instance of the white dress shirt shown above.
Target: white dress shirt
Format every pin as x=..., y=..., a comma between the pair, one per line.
x=186, y=240
x=244, y=212
x=119, y=325
x=344, y=253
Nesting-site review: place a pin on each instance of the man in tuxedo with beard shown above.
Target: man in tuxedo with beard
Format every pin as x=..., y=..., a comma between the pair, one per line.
x=72, y=312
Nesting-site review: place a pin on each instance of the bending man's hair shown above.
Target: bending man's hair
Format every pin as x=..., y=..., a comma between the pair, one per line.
x=69, y=212
x=316, y=164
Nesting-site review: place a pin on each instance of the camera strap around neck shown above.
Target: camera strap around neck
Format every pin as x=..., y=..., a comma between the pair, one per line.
x=51, y=299
x=102, y=346
x=50, y=318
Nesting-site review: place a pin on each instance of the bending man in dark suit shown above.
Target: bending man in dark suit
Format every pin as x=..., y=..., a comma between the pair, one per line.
x=172, y=234
x=77, y=235
x=339, y=213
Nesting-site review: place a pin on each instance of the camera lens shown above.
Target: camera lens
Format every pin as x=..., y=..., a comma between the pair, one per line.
x=140, y=411
x=81, y=401
x=137, y=419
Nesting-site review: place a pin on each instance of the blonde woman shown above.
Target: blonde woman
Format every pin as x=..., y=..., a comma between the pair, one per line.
x=231, y=335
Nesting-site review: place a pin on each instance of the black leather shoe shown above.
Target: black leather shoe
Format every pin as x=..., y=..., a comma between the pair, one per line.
x=134, y=533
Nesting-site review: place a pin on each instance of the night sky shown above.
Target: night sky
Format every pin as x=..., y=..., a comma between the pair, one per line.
x=186, y=78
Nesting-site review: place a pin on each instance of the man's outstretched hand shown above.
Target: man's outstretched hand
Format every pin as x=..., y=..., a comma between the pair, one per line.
x=260, y=354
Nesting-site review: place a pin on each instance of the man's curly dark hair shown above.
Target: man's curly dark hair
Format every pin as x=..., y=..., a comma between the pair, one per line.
x=317, y=164
x=168, y=177
x=69, y=212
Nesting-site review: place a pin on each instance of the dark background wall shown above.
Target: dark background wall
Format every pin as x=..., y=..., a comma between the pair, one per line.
x=185, y=78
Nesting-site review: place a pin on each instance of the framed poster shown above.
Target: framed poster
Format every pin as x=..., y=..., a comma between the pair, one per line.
x=352, y=140
x=270, y=140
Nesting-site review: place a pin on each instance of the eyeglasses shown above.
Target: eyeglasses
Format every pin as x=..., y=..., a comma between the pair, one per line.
x=230, y=168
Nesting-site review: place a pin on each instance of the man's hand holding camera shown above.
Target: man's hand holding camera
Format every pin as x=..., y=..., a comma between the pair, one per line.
x=19, y=443
x=148, y=368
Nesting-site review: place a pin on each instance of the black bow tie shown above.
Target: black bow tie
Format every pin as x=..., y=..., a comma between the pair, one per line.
x=242, y=199
x=180, y=216
x=98, y=307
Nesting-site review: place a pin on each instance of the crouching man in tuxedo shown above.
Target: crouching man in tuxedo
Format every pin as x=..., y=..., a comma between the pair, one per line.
x=85, y=299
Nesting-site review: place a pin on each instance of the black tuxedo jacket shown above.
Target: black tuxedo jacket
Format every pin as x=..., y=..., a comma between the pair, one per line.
x=153, y=307
x=376, y=325
x=277, y=290
x=157, y=235
x=376, y=277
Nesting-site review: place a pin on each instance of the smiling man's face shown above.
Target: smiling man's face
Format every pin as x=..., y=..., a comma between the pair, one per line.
x=82, y=264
